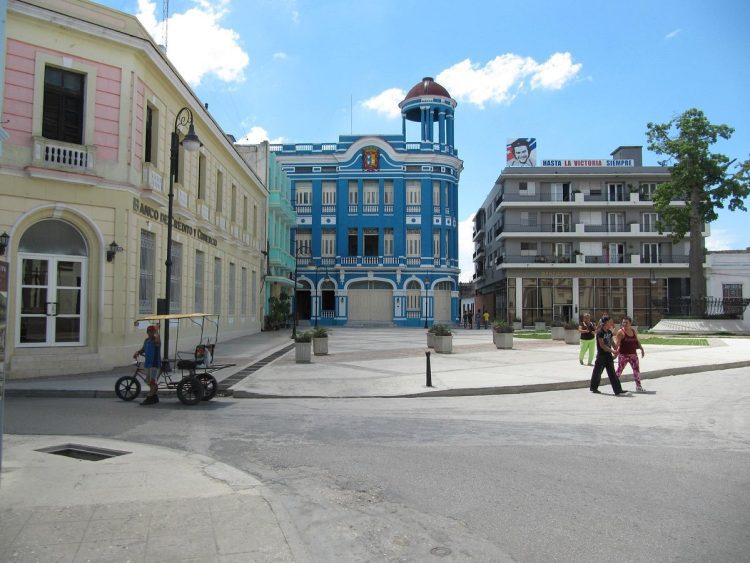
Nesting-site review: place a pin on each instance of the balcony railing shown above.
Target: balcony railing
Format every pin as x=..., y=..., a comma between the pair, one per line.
x=152, y=178
x=709, y=307
x=413, y=208
x=328, y=210
x=545, y=228
x=63, y=156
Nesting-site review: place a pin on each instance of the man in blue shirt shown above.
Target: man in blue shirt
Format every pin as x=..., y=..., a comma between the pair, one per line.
x=151, y=352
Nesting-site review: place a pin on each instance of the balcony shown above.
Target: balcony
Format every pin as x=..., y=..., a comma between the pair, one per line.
x=59, y=155
x=152, y=178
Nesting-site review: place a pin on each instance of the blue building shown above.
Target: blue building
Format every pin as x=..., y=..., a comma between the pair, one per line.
x=376, y=239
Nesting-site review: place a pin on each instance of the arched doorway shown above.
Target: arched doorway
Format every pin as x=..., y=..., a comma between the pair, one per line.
x=370, y=300
x=328, y=300
x=52, y=285
x=304, y=301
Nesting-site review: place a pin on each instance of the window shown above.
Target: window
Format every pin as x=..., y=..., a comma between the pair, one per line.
x=435, y=192
x=303, y=243
x=371, y=240
x=304, y=193
x=175, y=278
x=731, y=291
x=329, y=193
x=232, y=286
x=413, y=193
x=563, y=250
x=62, y=113
x=255, y=220
x=616, y=253
x=328, y=243
x=201, y=176
x=616, y=222
x=388, y=242
x=200, y=269
x=527, y=188
x=413, y=291
x=413, y=242
x=388, y=192
x=217, y=286
x=528, y=219
x=151, y=139
x=370, y=192
x=648, y=222
x=243, y=291
x=146, y=282
x=647, y=191
x=352, y=242
x=560, y=192
x=615, y=192
x=254, y=294
x=650, y=253
x=562, y=222
x=528, y=249
x=436, y=243
x=233, y=205
x=244, y=213
x=219, y=191
x=353, y=192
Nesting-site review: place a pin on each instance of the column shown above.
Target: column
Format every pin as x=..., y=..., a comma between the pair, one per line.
x=441, y=117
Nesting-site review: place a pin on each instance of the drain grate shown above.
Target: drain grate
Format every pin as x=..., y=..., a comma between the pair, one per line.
x=85, y=453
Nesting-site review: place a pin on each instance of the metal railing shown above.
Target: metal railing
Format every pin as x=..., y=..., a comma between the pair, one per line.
x=708, y=307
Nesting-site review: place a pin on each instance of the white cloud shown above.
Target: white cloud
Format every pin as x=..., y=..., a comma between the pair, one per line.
x=258, y=135
x=281, y=56
x=198, y=45
x=295, y=16
x=672, y=34
x=498, y=81
x=386, y=103
x=466, y=248
x=721, y=239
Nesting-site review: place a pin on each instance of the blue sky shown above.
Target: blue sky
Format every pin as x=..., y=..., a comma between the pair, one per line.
x=581, y=77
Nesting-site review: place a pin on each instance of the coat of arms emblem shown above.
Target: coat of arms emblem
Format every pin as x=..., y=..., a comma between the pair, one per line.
x=370, y=159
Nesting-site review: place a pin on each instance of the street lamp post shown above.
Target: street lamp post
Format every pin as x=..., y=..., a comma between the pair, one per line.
x=190, y=143
x=426, y=299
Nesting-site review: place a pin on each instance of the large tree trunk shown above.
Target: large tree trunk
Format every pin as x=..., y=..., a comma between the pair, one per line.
x=697, y=255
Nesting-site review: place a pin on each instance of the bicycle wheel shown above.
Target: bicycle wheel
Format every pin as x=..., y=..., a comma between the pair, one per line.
x=127, y=388
x=190, y=391
x=210, y=386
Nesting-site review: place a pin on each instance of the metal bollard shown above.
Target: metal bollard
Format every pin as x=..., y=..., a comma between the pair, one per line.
x=429, y=372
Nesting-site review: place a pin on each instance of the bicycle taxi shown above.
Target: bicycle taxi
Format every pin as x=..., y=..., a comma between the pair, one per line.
x=194, y=382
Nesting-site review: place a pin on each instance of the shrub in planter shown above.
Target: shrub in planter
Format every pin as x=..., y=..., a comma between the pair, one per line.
x=558, y=330
x=572, y=336
x=431, y=336
x=303, y=347
x=443, y=337
x=502, y=335
x=320, y=341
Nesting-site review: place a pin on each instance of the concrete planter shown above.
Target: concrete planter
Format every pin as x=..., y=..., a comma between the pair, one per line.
x=320, y=346
x=302, y=352
x=558, y=333
x=503, y=340
x=444, y=344
x=517, y=325
x=540, y=325
x=430, y=340
x=572, y=336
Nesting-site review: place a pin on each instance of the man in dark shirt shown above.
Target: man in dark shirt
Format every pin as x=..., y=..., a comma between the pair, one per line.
x=605, y=348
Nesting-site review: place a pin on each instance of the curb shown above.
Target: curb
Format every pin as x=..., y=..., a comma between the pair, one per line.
x=460, y=392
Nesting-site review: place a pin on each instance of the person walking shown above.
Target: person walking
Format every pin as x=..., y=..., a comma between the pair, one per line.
x=486, y=318
x=478, y=318
x=150, y=352
x=605, y=348
x=466, y=318
x=628, y=344
x=588, y=339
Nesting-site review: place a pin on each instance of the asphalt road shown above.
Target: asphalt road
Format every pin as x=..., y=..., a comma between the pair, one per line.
x=564, y=475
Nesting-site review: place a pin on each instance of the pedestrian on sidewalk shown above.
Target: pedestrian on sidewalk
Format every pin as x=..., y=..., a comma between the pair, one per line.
x=605, y=352
x=151, y=354
x=478, y=318
x=628, y=344
x=486, y=318
x=466, y=318
x=588, y=339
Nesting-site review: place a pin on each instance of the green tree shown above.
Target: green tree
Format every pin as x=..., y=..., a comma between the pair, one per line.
x=705, y=181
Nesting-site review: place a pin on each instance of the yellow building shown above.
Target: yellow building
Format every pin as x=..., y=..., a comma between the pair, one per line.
x=90, y=107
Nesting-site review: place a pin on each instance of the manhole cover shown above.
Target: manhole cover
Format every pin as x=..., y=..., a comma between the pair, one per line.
x=86, y=453
x=440, y=551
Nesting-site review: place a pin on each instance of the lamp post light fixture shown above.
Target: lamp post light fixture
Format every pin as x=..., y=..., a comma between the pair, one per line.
x=113, y=249
x=190, y=143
